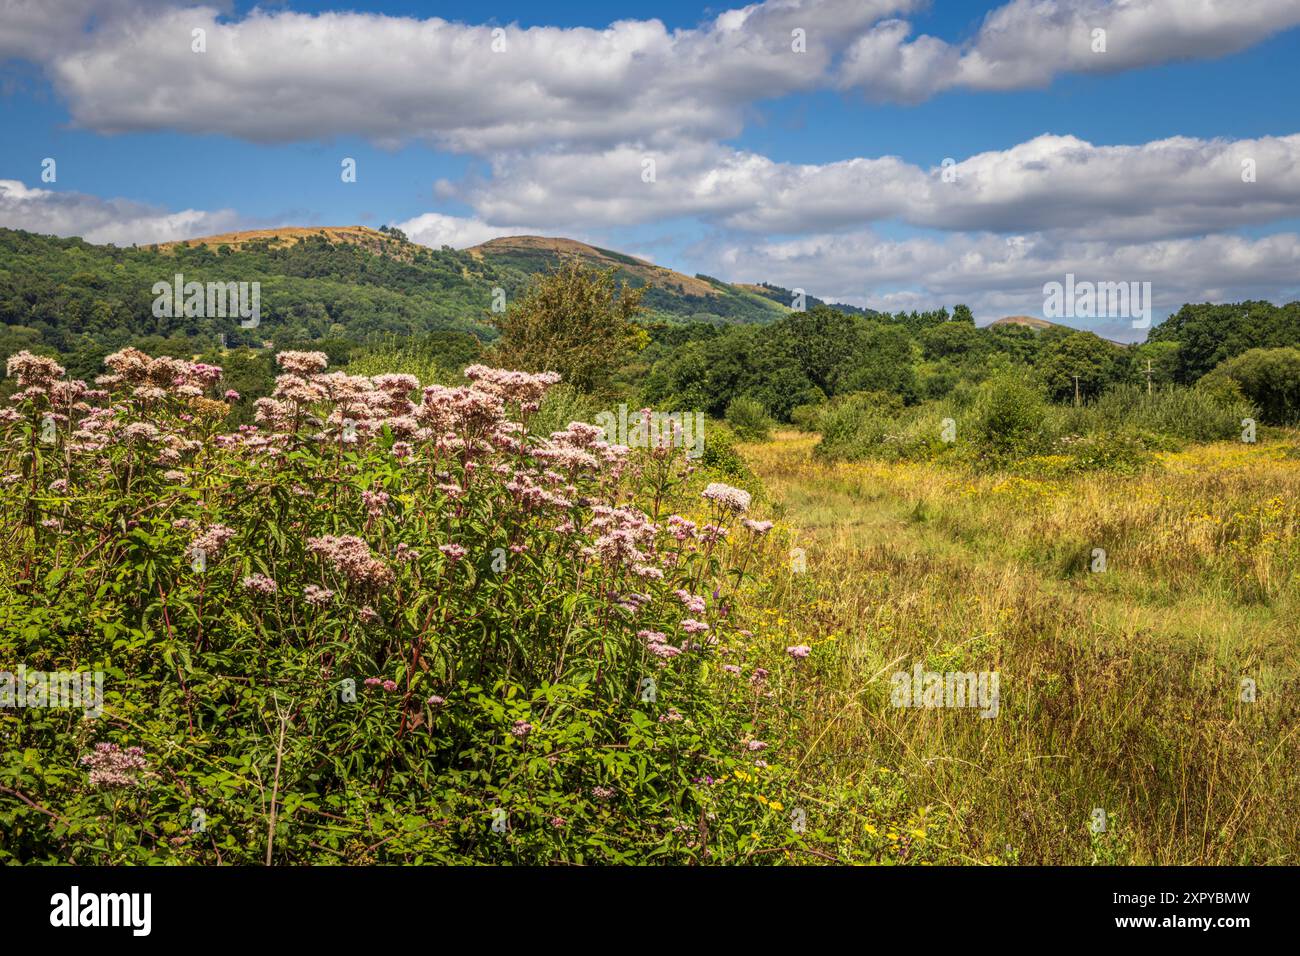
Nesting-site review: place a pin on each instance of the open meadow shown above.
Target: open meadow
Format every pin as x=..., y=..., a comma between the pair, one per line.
x=1160, y=690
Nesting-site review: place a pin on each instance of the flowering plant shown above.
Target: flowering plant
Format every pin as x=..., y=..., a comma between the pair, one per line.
x=380, y=603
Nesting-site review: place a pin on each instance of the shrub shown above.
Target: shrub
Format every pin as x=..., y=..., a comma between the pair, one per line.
x=574, y=320
x=1189, y=414
x=748, y=419
x=720, y=456
x=1007, y=421
x=853, y=426
x=807, y=417
x=1270, y=378
x=1124, y=451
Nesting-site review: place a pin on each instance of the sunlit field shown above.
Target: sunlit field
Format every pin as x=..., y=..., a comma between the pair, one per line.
x=1160, y=691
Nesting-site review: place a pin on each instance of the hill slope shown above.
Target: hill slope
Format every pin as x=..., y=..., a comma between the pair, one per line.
x=364, y=236
x=347, y=284
x=1041, y=325
x=670, y=296
x=1027, y=321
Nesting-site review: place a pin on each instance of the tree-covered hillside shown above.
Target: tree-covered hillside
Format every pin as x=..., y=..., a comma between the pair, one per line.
x=84, y=301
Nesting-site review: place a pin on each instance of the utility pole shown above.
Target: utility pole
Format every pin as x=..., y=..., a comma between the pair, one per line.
x=1148, y=376
x=1076, y=390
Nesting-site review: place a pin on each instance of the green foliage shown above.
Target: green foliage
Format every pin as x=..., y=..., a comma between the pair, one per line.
x=1007, y=421
x=439, y=357
x=87, y=300
x=808, y=417
x=748, y=419
x=1081, y=360
x=574, y=321
x=1006, y=424
x=1210, y=334
x=563, y=404
x=484, y=662
x=1186, y=414
x=1270, y=378
x=851, y=424
x=720, y=456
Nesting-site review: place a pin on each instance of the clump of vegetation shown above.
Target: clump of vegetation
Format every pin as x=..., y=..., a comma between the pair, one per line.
x=383, y=623
x=1008, y=423
x=748, y=419
x=573, y=321
x=1269, y=378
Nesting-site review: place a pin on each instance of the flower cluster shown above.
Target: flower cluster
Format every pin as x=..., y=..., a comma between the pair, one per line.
x=111, y=766
x=732, y=499
x=351, y=557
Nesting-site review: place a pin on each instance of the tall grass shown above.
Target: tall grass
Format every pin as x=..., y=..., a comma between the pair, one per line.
x=1121, y=690
x=406, y=359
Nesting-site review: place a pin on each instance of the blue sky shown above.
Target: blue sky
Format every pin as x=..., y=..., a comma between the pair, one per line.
x=819, y=169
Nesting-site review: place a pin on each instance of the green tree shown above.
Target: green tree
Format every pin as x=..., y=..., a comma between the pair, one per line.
x=883, y=361
x=817, y=339
x=1270, y=378
x=572, y=320
x=1067, y=354
x=954, y=339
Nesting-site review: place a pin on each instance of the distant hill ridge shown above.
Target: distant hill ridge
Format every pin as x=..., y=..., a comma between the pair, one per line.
x=381, y=243
x=548, y=250
x=1034, y=322
x=671, y=293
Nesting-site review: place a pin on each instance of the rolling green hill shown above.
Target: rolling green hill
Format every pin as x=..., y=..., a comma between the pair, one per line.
x=671, y=297
x=333, y=286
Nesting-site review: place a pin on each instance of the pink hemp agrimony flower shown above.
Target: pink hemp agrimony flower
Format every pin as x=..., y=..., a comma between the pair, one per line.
x=259, y=584
x=211, y=541
x=733, y=499
x=317, y=596
x=351, y=556
x=799, y=651
x=693, y=602
x=111, y=766
x=302, y=363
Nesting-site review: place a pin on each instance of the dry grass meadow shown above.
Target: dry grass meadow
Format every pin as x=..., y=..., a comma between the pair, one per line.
x=1125, y=691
